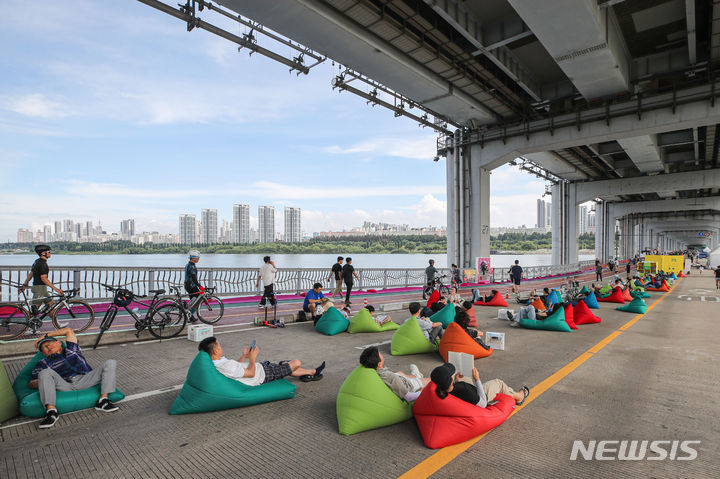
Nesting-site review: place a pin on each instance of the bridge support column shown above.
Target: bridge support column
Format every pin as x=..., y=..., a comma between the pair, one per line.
x=564, y=219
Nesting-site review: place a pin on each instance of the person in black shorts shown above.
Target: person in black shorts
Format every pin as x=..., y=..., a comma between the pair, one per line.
x=192, y=285
x=336, y=271
x=39, y=274
x=598, y=270
x=516, y=273
x=348, y=271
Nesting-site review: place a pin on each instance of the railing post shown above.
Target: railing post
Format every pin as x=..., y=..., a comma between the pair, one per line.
x=76, y=279
x=407, y=278
x=360, y=280
x=211, y=278
x=151, y=279
x=298, y=280
x=385, y=279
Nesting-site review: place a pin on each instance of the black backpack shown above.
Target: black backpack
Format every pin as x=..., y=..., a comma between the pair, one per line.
x=301, y=316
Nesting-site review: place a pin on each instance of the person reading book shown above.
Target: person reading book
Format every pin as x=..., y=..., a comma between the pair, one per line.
x=448, y=382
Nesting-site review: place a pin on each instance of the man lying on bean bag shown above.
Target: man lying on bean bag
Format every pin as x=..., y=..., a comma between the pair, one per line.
x=405, y=386
x=251, y=373
x=529, y=312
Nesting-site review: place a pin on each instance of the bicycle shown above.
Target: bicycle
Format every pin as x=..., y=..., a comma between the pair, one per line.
x=164, y=318
x=208, y=307
x=16, y=318
x=436, y=284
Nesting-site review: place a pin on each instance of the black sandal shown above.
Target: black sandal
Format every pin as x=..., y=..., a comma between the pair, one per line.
x=526, y=394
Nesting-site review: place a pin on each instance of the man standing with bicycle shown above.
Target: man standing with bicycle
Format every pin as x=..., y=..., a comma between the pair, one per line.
x=267, y=275
x=39, y=274
x=192, y=285
x=430, y=273
x=68, y=370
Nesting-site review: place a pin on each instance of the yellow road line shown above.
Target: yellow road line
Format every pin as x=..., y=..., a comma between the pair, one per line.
x=442, y=457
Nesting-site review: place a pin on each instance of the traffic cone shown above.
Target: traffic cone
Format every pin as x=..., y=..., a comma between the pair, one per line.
x=365, y=302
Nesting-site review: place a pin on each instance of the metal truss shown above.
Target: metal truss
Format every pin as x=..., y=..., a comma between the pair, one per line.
x=189, y=14
x=392, y=100
x=537, y=170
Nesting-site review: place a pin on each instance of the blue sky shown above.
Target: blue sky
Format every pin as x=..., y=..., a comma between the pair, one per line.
x=112, y=110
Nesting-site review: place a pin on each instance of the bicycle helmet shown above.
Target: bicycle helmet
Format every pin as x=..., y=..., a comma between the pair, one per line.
x=193, y=253
x=41, y=248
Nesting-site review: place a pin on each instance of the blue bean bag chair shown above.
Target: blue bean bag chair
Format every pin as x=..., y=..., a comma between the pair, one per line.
x=637, y=305
x=364, y=402
x=409, y=339
x=67, y=401
x=363, y=322
x=554, y=322
x=206, y=389
x=444, y=316
x=591, y=301
x=332, y=322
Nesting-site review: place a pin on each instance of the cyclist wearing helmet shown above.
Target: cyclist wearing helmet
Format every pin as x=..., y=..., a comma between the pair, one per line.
x=39, y=274
x=192, y=285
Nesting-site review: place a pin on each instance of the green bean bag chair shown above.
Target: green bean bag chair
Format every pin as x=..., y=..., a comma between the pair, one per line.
x=409, y=339
x=605, y=289
x=364, y=402
x=363, y=322
x=640, y=294
x=8, y=400
x=444, y=316
x=206, y=389
x=637, y=305
x=67, y=401
x=584, y=290
x=554, y=322
x=332, y=322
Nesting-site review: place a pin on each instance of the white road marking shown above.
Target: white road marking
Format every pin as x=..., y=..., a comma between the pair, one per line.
x=373, y=344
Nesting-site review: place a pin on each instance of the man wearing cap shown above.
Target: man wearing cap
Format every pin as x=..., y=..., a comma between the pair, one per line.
x=66, y=369
x=39, y=275
x=480, y=395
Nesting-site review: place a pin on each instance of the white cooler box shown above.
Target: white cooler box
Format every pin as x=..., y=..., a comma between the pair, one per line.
x=502, y=313
x=494, y=340
x=198, y=332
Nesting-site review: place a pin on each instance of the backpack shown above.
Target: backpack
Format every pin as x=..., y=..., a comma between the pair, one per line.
x=301, y=316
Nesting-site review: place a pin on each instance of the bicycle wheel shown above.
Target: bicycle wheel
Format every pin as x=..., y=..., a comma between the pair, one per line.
x=14, y=320
x=105, y=324
x=444, y=290
x=75, y=314
x=167, y=320
x=210, y=309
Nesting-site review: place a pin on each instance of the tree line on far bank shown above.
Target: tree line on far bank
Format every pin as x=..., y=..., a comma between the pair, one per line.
x=374, y=244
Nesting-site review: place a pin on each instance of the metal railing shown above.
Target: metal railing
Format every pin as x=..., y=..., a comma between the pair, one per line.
x=237, y=281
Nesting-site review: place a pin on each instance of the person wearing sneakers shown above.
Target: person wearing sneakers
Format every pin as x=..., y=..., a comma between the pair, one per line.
x=336, y=271
x=481, y=395
x=405, y=386
x=267, y=275
x=529, y=312
x=250, y=372
x=66, y=369
x=192, y=285
x=431, y=330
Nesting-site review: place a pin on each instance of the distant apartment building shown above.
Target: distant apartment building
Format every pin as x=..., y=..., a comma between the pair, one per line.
x=188, y=229
x=544, y=214
x=24, y=236
x=47, y=233
x=266, y=224
x=225, y=233
x=127, y=228
x=241, y=223
x=68, y=226
x=293, y=224
x=209, y=226
x=58, y=228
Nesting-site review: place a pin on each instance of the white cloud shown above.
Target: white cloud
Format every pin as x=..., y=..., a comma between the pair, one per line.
x=280, y=191
x=421, y=147
x=37, y=105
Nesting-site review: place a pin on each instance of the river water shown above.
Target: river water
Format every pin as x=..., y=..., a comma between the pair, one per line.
x=281, y=260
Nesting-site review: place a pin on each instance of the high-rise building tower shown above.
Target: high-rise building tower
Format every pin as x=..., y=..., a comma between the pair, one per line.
x=266, y=224
x=58, y=228
x=540, y=213
x=293, y=225
x=241, y=223
x=47, y=233
x=187, y=229
x=127, y=228
x=548, y=214
x=209, y=228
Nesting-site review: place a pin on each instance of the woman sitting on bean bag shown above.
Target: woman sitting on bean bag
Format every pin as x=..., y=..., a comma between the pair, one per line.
x=480, y=394
x=463, y=320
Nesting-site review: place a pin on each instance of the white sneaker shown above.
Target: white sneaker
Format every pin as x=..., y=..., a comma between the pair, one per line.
x=415, y=371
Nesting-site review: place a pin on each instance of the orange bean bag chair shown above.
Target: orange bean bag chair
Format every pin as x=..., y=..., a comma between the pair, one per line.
x=663, y=287
x=583, y=315
x=615, y=297
x=626, y=294
x=538, y=305
x=473, y=317
x=569, y=316
x=448, y=421
x=456, y=339
x=496, y=300
x=434, y=298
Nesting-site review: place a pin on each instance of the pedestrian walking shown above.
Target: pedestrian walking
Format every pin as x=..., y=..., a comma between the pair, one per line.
x=267, y=275
x=598, y=270
x=516, y=273
x=336, y=270
x=348, y=272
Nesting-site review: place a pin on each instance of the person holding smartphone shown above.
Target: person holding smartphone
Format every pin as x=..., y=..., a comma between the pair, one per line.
x=250, y=372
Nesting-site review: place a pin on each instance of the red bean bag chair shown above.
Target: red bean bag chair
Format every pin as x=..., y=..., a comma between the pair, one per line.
x=372, y=291
x=456, y=339
x=496, y=300
x=569, y=316
x=681, y=275
x=615, y=297
x=473, y=317
x=444, y=422
x=538, y=305
x=434, y=298
x=583, y=315
x=663, y=287
x=626, y=294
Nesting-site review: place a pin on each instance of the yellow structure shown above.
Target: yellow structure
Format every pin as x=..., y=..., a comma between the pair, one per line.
x=667, y=263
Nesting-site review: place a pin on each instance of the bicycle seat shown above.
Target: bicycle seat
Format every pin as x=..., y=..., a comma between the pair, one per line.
x=157, y=291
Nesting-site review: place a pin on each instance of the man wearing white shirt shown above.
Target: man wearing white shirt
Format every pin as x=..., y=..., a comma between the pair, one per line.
x=267, y=275
x=252, y=373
